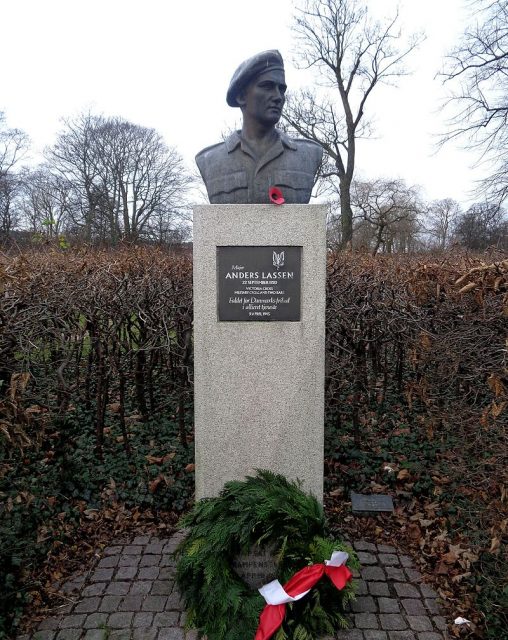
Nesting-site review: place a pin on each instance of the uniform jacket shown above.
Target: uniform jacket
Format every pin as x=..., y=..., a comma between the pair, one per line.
x=233, y=176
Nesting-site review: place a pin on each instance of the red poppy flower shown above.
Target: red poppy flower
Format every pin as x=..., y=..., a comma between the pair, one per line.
x=275, y=195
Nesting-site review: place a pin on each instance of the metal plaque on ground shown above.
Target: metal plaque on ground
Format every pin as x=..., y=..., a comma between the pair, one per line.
x=371, y=503
x=259, y=283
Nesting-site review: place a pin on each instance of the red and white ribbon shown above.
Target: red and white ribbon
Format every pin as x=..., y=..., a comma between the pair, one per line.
x=297, y=587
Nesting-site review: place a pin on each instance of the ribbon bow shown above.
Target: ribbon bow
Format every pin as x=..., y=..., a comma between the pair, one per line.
x=297, y=587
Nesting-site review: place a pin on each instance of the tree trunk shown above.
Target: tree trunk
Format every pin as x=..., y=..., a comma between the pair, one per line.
x=346, y=213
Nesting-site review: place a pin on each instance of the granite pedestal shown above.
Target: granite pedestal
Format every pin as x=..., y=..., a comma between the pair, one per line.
x=259, y=385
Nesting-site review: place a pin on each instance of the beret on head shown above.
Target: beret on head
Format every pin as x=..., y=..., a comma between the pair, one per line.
x=250, y=69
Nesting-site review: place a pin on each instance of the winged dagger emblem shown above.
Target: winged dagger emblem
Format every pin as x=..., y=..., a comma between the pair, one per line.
x=278, y=259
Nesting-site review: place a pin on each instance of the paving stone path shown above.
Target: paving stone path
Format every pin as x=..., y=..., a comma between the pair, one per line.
x=130, y=594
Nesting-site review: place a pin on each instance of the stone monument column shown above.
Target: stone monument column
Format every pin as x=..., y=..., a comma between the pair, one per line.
x=259, y=337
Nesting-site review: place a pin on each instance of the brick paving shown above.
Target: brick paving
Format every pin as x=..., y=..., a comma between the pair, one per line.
x=392, y=601
x=130, y=594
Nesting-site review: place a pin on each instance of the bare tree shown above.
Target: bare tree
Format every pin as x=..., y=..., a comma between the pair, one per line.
x=9, y=212
x=123, y=175
x=13, y=145
x=483, y=225
x=352, y=54
x=389, y=210
x=75, y=157
x=46, y=202
x=333, y=226
x=146, y=177
x=477, y=71
x=440, y=218
x=166, y=230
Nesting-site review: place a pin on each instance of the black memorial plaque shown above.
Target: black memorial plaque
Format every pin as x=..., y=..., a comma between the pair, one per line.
x=371, y=503
x=259, y=284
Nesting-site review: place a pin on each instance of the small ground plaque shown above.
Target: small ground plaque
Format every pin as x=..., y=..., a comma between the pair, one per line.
x=259, y=284
x=257, y=567
x=372, y=503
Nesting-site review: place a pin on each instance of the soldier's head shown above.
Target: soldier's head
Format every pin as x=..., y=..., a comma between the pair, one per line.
x=258, y=87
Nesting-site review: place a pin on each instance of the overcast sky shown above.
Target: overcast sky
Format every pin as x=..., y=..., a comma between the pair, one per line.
x=167, y=64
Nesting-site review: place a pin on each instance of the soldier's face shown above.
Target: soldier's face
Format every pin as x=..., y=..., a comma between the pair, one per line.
x=263, y=99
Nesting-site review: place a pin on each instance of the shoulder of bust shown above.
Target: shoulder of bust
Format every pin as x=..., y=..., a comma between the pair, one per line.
x=209, y=158
x=309, y=147
x=310, y=144
x=212, y=150
x=312, y=151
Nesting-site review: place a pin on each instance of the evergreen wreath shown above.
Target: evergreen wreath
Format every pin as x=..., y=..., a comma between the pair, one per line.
x=269, y=511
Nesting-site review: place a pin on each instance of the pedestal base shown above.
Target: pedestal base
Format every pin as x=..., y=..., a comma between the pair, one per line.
x=259, y=385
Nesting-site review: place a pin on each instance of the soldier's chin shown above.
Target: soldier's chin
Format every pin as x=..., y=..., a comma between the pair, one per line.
x=273, y=117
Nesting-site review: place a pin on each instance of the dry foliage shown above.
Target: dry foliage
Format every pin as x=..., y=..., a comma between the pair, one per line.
x=86, y=325
x=432, y=332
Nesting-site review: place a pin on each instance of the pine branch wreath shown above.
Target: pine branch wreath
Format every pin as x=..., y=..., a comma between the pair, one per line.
x=269, y=511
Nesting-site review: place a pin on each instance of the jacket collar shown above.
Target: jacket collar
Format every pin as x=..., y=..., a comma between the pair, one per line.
x=235, y=139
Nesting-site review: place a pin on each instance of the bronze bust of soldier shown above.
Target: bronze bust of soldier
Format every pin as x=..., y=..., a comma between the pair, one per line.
x=243, y=168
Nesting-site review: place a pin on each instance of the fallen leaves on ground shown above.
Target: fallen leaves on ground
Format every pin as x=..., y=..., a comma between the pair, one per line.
x=461, y=515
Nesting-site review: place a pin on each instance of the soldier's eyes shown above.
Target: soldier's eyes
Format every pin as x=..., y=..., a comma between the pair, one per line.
x=272, y=85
